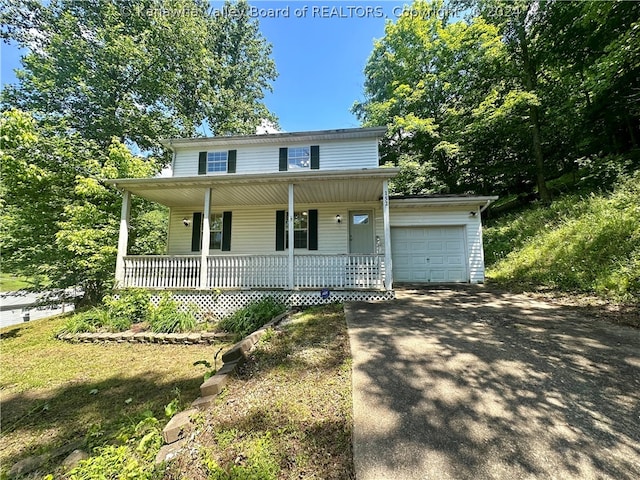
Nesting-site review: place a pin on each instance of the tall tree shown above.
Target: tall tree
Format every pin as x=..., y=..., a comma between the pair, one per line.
x=102, y=79
x=139, y=70
x=59, y=221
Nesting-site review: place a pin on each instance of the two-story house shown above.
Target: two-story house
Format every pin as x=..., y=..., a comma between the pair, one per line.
x=298, y=214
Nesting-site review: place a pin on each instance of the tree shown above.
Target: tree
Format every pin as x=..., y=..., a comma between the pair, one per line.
x=102, y=79
x=430, y=80
x=59, y=221
x=139, y=71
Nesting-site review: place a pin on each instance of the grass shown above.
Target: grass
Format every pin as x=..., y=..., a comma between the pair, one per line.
x=578, y=244
x=55, y=392
x=287, y=414
x=11, y=283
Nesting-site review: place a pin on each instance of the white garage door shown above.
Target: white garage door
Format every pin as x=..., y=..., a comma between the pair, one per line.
x=428, y=254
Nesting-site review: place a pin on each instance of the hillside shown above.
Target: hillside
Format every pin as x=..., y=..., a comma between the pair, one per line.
x=587, y=243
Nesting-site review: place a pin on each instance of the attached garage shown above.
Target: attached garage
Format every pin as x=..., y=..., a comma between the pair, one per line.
x=429, y=254
x=437, y=238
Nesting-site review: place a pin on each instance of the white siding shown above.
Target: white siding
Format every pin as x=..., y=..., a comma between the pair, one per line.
x=336, y=155
x=409, y=217
x=253, y=230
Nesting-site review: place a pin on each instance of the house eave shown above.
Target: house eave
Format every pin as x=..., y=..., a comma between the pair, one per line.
x=426, y=201
x=276, y=138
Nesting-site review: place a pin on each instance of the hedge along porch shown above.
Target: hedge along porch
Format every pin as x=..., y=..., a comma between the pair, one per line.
x=230, y=232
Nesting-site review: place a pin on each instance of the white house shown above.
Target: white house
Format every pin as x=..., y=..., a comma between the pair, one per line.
x=298, y=212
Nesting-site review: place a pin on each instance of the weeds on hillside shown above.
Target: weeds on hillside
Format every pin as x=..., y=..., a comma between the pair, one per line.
x=589, y=245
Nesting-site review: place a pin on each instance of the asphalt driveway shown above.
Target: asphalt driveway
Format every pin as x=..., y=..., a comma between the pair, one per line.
x=466, y=383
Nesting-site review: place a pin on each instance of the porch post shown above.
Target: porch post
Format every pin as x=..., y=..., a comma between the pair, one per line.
x=291, y=238
x=123, y=237
x=206, y=233
x=388, y=272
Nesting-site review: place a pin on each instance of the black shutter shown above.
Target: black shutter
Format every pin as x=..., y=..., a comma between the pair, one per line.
x=195, y=231
x=231, y=161
x=315, y=157
x=284, y=159
x=202, y=163
x=312, y=218
x=279, y=230
x=226, y=231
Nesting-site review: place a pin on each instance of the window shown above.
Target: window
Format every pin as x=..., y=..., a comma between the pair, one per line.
x=216, y=162
x=361, y=219
x=219, y=231
x=300, y=230
x=299, y=157
x=215, y=227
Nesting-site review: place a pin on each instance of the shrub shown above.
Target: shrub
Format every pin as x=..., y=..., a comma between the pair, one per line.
x=168, y=318
x=129, y=303
x=252, y=317
x=89, y=321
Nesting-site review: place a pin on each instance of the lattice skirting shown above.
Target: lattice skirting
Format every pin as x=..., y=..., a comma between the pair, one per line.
x=225, y=303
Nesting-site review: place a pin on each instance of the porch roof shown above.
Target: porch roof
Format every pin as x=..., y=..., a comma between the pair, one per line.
x=261, y=189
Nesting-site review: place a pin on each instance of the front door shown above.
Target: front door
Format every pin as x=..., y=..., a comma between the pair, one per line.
x=361, y=232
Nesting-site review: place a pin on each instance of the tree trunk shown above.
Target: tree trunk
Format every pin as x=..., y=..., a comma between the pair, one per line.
x=530, y=81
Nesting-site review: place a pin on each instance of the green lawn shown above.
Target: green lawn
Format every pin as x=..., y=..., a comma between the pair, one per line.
x=10, y=283
x=55, y=392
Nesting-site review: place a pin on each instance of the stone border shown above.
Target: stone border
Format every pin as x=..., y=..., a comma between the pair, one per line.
x=181, y=425
x=192, y=338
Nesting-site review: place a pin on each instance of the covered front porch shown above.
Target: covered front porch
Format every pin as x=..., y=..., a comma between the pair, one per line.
x=252, y=262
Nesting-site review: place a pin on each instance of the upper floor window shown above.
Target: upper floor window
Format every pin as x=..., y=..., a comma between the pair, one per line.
x=216, y=162
x=299, y=157
x=221, y=161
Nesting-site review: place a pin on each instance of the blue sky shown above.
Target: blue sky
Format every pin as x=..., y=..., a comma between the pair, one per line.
x=320, y=50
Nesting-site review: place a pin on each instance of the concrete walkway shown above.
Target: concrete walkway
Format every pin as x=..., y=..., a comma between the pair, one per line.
x=465, y=383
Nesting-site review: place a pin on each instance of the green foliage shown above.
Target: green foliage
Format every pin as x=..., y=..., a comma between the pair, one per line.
x=139, y=441
x=130, y=303
x=168, y=318
x=59, y=220
x=89, y=321
x=140, y=71
x=506, y=97
x=252, y=317
x=579, y=244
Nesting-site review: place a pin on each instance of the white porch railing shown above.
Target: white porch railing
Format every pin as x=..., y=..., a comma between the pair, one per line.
x=256, y=271
x=162, y=271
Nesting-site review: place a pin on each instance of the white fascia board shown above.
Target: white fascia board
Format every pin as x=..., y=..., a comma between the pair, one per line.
x=475, y=201
x=275, y=138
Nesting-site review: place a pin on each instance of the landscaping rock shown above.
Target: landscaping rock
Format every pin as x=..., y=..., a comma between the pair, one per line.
x=214, y=385
x=194, y=338
x=169, y=452
x=203, y=403
x=140, y=337
x=27, y=465
x=127, y=336
x=74, y=458
x=179, y=426
x=229, y=367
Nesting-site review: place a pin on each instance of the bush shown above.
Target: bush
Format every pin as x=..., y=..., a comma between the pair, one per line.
x=129, y=303
x=168, y=318
x=89, y=321
x=252, y=317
